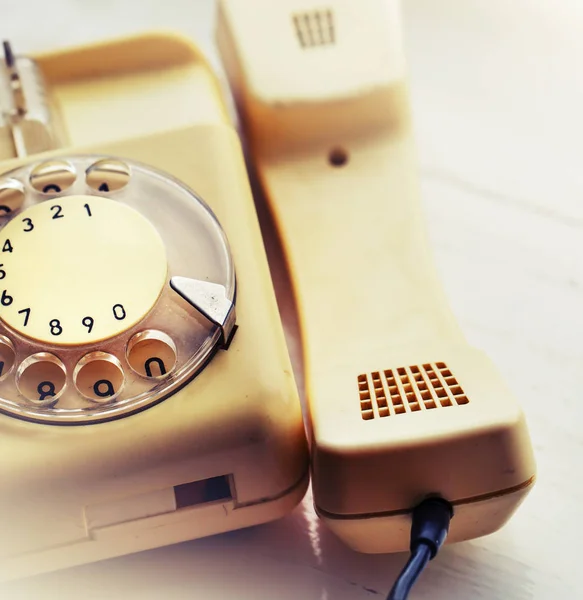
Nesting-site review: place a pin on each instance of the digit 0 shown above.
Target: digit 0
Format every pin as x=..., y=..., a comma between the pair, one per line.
x=119, y=312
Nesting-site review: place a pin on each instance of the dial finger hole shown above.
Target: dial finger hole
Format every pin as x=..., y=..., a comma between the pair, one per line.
x=99, y=377
x=151, y=354
x=52, y=177
x=107, y=175
x=7, y=357
x=11, y=196
x=41, y=378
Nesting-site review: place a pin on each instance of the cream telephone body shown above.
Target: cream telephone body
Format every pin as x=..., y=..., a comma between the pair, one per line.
x=146, y=394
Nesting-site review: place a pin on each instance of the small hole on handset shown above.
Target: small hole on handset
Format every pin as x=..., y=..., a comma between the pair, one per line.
x=338, y=157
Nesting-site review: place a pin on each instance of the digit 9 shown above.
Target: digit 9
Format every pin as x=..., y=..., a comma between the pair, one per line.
x=88, y=322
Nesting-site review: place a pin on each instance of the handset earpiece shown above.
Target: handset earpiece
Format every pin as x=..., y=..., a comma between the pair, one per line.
x=401, y=407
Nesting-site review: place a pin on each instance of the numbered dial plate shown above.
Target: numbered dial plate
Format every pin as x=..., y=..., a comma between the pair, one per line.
x=79, y=270
x=116, y=286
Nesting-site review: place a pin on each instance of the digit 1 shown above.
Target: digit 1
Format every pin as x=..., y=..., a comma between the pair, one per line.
x=88, y=209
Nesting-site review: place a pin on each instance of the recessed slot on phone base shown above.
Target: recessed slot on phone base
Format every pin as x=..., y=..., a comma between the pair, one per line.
x=202, y=492
x=158, y=502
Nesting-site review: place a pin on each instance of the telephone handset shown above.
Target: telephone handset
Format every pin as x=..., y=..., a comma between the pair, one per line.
x=146, y=393
x=401, y=408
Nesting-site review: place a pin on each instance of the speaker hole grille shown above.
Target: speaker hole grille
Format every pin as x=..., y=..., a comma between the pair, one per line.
x=408, y=389
x=314, y=28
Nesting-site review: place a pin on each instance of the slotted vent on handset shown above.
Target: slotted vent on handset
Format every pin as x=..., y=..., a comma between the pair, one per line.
x=314, y=28
x=408, y=389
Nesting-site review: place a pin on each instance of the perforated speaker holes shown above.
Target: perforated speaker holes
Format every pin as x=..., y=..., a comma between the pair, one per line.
x=314, y=28
x=408, y=389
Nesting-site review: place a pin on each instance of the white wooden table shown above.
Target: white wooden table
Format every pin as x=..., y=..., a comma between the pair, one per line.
x=497, y=92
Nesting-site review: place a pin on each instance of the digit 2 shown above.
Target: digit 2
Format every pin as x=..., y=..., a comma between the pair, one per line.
x=58, y=212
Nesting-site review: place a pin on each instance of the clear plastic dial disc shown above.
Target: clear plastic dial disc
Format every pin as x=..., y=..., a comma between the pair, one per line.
x=116, y=286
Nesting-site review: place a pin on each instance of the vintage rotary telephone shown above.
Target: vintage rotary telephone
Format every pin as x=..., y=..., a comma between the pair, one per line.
x=118, y=292
x=146, y=394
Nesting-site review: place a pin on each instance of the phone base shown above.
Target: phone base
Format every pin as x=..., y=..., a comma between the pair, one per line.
x=225, y=449
x=153, y=532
